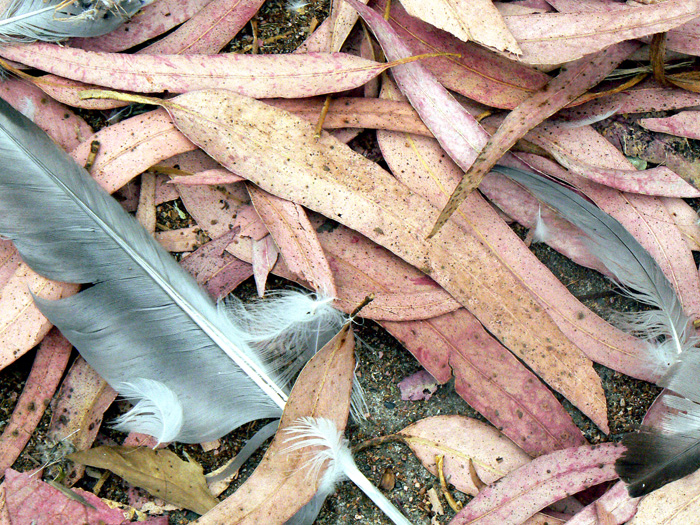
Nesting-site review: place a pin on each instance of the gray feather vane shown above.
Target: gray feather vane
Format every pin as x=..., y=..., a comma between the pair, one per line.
x=56, y=20
x=144, y=325
x=663, y=452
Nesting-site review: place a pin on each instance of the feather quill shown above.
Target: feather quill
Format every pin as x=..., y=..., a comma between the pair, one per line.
x=334, y=453
x=144, y=324
x=56, y=20
x=663, y=452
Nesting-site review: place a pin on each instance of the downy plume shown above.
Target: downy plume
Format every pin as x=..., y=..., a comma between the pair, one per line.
x=56, y=20
x=634, y=269
x=657, y=454
x=144, y=325
x=332, y=452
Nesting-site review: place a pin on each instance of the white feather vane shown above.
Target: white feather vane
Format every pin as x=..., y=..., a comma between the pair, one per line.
x=144, y=325
x=333, y=453
x=632, y=266
x=56, y=20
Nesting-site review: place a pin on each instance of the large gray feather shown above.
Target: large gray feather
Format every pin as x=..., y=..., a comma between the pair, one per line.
x=56, y=20
x=144, y=324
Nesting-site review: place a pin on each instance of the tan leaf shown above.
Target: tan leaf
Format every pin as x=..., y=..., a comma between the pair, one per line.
x=280, y=485
x=468, y=20
x=22, y=325
x=160, y=472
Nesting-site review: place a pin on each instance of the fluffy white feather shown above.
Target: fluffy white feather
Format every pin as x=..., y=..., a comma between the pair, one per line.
x=540, y=233
x=157, y=410
x=55, y=20
x=333, y=453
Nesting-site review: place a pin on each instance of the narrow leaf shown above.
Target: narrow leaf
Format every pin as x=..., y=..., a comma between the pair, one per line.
x=540, y=483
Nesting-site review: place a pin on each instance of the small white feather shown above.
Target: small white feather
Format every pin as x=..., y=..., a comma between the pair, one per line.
x=540, y=233
x=156, y=412
x=333, y=452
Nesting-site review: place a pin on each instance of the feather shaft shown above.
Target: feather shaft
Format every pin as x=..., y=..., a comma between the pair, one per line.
x=144, y=324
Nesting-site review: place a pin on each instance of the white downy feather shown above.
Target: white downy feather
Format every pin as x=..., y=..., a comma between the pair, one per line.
x=56, y=20
x=334, y=453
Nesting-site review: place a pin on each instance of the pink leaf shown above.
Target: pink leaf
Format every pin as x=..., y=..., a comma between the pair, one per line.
x=208, y=31
x=153, y=20
x=265, y=255
x=616, y=503
x=49, y=364
x=543, y=481
x=260, y=76
x=418, y=387
x=683, y=124
x=556, y=38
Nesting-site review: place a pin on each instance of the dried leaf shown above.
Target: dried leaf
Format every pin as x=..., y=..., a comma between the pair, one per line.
x=9, y=261
x=575, y=79
x=490, y=379
x=49, y=364
x=78, y=411
x=131, y=147
x=180, y=240
x=477, y=21
x=22, y=325
x=208, y=31
x=540, y=483
x=160, y=472
x=683, y=124
x=463, y=440
x=615, y=503
x=280, y=153
x=153, y=20
x=418, y=387
x=686, y=218
x=265, y=255
x=296, y=239
x=556, y=38
x=261, y=76
x=474, y=72
x=280, y=484
x=30, y=500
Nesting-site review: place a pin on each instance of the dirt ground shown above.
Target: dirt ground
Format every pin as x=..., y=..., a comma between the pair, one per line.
x=382, y=364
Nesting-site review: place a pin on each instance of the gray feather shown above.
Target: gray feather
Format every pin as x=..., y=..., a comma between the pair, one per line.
x=56, y=20
x=144, y=320
x=633, y=268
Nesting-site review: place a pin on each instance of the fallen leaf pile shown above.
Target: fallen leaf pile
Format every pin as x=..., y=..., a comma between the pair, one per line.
x=248, y=152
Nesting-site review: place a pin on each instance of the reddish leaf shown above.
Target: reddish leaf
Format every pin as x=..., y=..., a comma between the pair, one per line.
x=30, y=500
x=418, y=387
x=683, y=124
x=151, y=21
x=490, y=379
x=265, y=255
x=49, y=364
x=616, y=503
x=575, y=79
x=261, y=76
x=540, y=483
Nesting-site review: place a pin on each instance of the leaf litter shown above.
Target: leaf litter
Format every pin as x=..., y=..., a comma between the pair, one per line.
x=383, y=363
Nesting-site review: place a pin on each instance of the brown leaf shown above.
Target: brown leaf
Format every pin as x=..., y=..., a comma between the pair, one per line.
x=279, y=152
x=280, y=485
x=160, y=472
x=477, y=21
x=265, y=255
